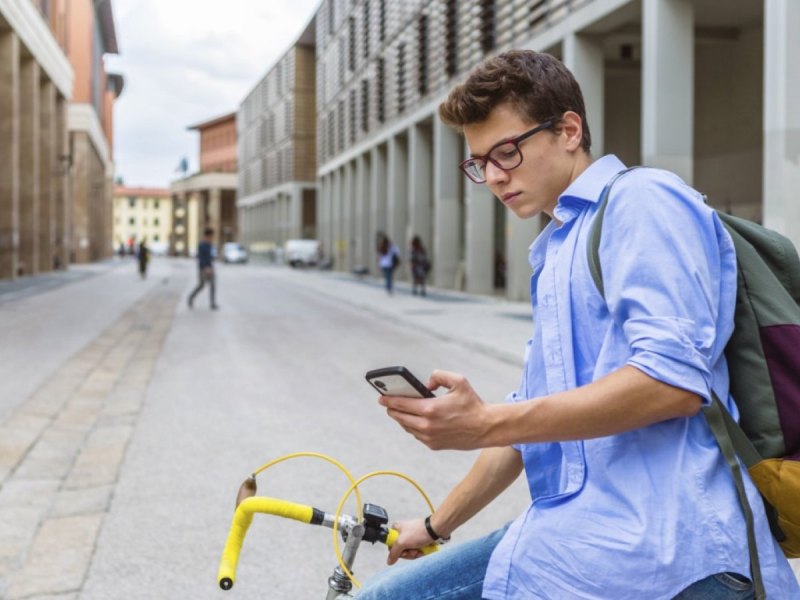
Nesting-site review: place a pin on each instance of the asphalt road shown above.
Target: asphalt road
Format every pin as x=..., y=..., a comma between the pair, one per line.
x=279, y=369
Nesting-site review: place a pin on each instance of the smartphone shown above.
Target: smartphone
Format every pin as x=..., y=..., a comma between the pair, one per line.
x=397, y=381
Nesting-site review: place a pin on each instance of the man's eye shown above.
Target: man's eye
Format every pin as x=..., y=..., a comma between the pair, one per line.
x=505, y=152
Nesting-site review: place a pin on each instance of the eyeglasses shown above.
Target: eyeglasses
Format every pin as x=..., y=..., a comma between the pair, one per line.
x=505, y=156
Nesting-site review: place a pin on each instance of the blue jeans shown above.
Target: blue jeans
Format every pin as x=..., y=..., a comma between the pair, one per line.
x=388, y=276
x=457, y=574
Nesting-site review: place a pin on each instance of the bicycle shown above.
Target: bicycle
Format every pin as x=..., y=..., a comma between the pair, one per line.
x=369, y=525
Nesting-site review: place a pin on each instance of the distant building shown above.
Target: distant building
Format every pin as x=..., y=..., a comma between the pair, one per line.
x=277, y=151
x=142, y=214
x=207, y=198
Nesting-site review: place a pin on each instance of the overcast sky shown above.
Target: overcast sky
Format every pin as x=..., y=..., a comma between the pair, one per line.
x=186, y=61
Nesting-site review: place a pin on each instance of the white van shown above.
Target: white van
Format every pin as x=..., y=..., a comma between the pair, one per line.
x=300, y=253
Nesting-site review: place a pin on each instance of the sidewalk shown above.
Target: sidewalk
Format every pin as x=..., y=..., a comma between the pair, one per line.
x=493, y=326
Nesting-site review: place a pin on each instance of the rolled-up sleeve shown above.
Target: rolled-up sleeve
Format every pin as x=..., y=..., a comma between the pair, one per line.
x=661, y=265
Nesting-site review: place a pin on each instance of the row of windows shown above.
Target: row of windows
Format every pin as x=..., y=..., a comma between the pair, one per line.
x=132, y=200
x=132, y=221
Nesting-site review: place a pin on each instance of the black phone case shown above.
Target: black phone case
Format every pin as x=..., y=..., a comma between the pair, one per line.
x=397, y=381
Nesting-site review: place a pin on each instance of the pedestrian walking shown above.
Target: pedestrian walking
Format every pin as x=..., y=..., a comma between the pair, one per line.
x=143, y=256
x=205, y=268
x=388, y=261
x=631, y=496
x=420, y=266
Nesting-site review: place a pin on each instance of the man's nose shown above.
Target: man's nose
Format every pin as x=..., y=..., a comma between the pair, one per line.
x=494, y=174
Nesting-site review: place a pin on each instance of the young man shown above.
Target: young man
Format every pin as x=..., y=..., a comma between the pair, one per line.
x=631, y=497
x=205, y=267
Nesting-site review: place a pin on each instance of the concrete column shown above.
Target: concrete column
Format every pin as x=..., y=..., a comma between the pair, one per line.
x=10, y=153
x=215, y=215
x=583, y=55
x=348, y=216
x=30, y=164
x=420, y=184
x=668, y=86
x=323, y=208
x=62, y=178
x=194, y=220
x=782, y=117
x=47, y=145
x=479, y=239
x=397, y=193
x=448, y=183
x=520, y=234
x=336, y=220
x=377, y=200
x=81, y=175
x=361, y=232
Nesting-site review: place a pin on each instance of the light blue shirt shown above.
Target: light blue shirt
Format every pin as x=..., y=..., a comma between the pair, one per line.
x=642, y=514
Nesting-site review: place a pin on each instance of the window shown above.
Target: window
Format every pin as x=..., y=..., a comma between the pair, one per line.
x=352, y=116
x=331, y=133
x=382, y=20
x=132, y=221
x=422, y=58
x=366, y=29
x=487, y=29
x=132, y=201
x=331, y=16
x=451, y=37
x=351, y=46
x=156, y=238
x=155, y=222
x=155, y=204
x=381, y=81
x=340, y=131
x=364, y=105
x=401, y=77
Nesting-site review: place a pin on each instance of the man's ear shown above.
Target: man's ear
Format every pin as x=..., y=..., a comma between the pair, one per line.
x=571, y=127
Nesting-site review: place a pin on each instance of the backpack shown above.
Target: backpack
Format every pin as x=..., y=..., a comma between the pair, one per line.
x=763, y=355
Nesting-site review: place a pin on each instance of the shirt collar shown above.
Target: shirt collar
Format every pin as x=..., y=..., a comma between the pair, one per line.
x=587, y=187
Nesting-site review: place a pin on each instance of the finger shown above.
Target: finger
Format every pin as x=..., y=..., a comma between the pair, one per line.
x=445, y=379
x=412, y=406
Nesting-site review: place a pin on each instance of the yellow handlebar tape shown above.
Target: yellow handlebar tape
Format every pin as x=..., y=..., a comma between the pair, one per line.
x=241, y=522
x=394, y=534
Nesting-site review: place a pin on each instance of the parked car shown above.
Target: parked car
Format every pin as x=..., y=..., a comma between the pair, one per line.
x=302, y=253
x=233, y=252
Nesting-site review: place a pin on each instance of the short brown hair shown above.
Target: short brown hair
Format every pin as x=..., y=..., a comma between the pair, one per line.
x=538, y=85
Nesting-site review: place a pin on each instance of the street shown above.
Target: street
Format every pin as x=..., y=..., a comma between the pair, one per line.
x=129, y=421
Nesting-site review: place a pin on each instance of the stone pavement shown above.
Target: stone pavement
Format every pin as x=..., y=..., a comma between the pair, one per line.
x=62, y=448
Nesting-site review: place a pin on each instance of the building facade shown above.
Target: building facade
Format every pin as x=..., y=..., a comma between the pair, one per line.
x=56, y=109
x=207, y=198
x=142, y=214
x=680, y=84
x=277, y=150
x=90, y=35
x=36, y=82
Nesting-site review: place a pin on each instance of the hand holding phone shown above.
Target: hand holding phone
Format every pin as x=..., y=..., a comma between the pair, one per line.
x=397, y=381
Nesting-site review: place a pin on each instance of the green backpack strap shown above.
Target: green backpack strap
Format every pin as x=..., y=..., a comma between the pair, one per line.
x=731, y=439
x=593, y=247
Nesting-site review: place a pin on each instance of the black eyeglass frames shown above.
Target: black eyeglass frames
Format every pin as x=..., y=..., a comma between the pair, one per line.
x=505, y=155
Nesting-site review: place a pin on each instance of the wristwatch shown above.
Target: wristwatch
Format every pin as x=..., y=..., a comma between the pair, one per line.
x=434, y=536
